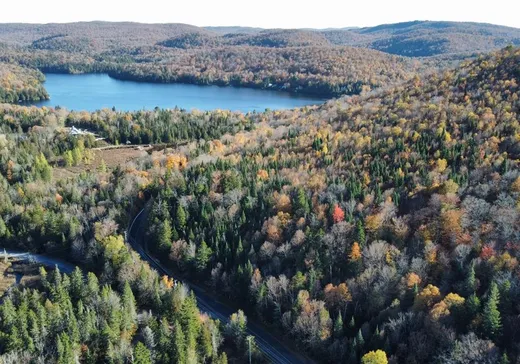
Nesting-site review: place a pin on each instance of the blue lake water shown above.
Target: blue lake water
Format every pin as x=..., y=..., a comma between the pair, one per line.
x=96, y=91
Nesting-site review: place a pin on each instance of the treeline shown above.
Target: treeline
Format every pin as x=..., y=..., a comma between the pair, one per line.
x=174, y=126
x=19, y=84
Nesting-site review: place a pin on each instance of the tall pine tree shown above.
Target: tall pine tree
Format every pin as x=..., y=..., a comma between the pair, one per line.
x=492, y=321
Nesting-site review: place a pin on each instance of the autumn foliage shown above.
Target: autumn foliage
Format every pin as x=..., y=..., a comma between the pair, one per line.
x=338, y=214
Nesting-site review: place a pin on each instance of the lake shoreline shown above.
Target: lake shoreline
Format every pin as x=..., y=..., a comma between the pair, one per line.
x=113, y=71
x=94, y=91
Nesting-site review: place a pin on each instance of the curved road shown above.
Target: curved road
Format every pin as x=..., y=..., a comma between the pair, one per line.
x=273, y=348
x=64, y=267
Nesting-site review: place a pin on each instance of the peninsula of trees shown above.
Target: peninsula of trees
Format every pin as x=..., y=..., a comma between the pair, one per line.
x=20, y=84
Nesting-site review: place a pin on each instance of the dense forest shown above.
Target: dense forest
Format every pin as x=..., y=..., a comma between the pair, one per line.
x=72, y=319
x=318, y=71
x=55, y=200
x=388, y=221
x=376, y=228
x=18, y=84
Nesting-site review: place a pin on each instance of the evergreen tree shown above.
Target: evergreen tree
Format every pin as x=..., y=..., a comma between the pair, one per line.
x=338, y=326
x=352, y=352
x=352, y=324
x=202, y=257
x=149, y=339
x=179, y=345
x=3, y=228
x=239, y=251
x=222, y=359
x=102, y=166
x=360, y=340
x=141, y=354
x=472, y=305
x=506, y=304
x=76, y=285
x=361, y=237
x=129, y=308
x=180, y=218
x=165, y=350
x=164, y=236
x=65, y=351
x=504, y=359
x=68, y=158
x=92, y=286
x=492, y=322
x=72, y=324
x=205, y=349
x=302, y=205
x=470, y=284
x=189, y=321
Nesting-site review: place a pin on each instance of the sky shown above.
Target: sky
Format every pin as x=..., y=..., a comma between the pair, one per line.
x=263, y=13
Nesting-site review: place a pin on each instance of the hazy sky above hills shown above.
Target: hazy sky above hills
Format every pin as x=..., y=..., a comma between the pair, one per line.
x=265, y=13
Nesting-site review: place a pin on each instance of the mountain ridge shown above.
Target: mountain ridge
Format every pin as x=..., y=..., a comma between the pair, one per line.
x=418, y=38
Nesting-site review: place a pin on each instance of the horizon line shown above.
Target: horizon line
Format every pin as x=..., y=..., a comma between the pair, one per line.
x=347, y=27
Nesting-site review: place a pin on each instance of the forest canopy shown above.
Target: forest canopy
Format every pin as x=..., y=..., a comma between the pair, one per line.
x=19, y=84
x=381, y=227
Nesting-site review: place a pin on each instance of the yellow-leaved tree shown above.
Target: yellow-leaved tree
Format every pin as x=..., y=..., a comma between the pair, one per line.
x=374, y=357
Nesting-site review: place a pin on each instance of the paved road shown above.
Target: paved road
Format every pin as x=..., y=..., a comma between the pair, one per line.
x=64, y=267
x=273, y=348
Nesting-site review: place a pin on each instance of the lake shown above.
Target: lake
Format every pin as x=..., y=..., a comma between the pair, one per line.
x=96, y=91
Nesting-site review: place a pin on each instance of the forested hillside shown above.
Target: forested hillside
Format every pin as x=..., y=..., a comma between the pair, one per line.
x=21, y=84
x=376, y=227
x=428, y=38
x=102, y=35
x=339, y=70
x=415, y=38
x=388, y=221
x=326, y=63
x=195, y=59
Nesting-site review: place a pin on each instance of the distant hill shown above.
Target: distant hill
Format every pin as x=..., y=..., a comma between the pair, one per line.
x=413, y=39
x=237, y=29
x=95, y=35
x=192, y=40
x=276, y=38
x=428, y=38
x=279, y=38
